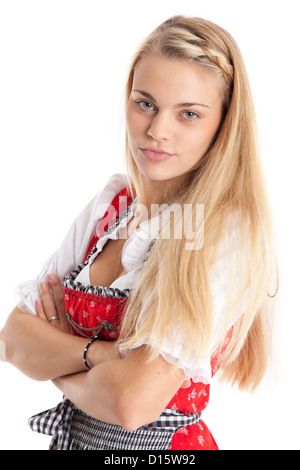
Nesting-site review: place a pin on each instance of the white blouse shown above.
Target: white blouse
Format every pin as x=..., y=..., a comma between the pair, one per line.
x=73, y=250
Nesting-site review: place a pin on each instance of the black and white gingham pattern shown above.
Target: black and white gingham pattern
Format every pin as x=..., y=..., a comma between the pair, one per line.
x=55, y=422
x=90, y=434
x=73, y=429
x=173, y=419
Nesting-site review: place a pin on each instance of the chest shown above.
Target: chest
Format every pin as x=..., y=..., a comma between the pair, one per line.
x=107, y=266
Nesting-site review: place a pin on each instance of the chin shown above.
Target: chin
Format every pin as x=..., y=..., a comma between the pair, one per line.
x=158, y=175
x=156, y=171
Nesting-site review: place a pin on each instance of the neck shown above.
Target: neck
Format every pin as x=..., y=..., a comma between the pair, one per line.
x=157, y=192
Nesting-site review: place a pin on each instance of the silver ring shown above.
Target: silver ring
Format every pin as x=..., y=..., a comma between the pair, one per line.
x=53, y=318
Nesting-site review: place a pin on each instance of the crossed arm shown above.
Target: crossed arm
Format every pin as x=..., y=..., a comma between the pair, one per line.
x=129, y=391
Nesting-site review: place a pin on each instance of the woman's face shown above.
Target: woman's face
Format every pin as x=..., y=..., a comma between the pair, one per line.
x=173, y=114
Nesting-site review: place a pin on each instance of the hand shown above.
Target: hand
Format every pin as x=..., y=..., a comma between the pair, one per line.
x=47, y=309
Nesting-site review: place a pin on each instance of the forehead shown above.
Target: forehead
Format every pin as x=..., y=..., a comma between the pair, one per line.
x=175, y=80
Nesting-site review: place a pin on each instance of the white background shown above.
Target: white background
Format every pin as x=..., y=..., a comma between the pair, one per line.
x=63, y=69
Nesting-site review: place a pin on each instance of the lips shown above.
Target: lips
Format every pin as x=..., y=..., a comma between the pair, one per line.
x=155, y=155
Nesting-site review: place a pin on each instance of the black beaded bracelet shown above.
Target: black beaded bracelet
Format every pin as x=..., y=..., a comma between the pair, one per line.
x=86, y=350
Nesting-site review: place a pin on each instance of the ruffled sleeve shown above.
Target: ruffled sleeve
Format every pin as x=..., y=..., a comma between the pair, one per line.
x=74, y=246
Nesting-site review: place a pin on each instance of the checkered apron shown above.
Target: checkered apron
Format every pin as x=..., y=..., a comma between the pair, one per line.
x=72, y=429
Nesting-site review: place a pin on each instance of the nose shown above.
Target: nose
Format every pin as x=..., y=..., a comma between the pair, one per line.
x=160, y=127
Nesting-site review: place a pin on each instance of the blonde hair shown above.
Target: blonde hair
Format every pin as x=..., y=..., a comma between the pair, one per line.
x=172, y=298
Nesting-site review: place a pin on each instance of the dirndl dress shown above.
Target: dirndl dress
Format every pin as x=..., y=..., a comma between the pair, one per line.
x=97, y=310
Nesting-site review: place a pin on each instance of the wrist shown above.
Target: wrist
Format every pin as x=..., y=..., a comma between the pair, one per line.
x=87, y=360
x=101, y=351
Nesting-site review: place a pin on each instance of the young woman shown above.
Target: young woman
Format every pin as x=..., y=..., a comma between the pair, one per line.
x=133, y=315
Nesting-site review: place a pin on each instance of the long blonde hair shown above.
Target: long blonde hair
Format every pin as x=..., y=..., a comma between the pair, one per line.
x=173, y=293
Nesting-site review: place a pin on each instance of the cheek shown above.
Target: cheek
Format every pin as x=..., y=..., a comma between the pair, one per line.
x=195, y=145
x=208, y=132
x=134, y=123
x=196, y=142
x=129, y=125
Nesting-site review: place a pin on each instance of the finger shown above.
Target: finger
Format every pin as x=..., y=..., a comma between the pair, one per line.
x=39, y=308
x=49, y=307
x=58, y=295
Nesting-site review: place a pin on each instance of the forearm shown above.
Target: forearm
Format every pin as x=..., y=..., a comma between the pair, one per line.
x=43, y=352
x=129, y=392
x=107, y=393
x=95, y=392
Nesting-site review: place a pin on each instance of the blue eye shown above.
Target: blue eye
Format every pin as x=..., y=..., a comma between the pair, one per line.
x=145, y=105
x=190, y=115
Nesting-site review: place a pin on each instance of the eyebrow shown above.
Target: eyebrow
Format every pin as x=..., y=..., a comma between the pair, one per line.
x=179, y=105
